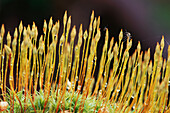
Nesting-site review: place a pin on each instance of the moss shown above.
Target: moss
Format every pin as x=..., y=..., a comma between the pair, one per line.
x=54, y=76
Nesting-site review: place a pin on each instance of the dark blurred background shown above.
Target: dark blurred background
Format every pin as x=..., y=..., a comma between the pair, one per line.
x=145, y=20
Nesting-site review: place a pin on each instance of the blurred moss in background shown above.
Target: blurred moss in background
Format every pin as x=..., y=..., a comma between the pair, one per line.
x=145, y=20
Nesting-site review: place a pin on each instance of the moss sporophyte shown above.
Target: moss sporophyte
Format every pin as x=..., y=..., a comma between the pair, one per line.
x=57, y=74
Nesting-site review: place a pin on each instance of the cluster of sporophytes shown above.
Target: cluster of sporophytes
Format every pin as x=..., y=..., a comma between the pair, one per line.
x=133, y=84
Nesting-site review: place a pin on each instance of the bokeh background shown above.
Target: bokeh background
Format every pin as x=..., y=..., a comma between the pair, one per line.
x=145, y=20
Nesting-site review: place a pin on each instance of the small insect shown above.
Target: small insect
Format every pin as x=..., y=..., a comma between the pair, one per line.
x=127, y=35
